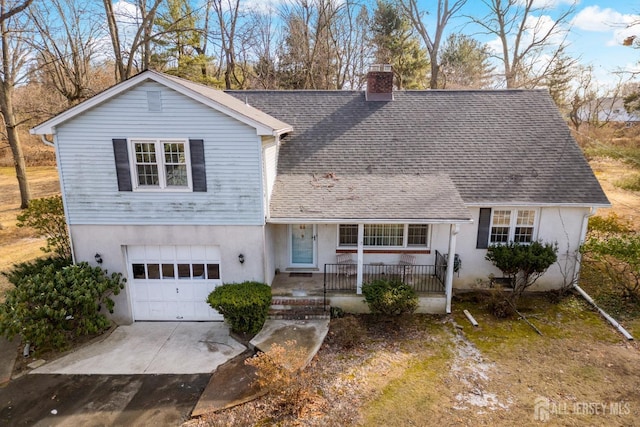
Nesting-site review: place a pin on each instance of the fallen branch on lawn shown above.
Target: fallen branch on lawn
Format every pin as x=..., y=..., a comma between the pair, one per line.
x=522, y=316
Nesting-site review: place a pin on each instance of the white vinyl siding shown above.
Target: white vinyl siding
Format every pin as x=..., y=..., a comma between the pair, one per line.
x=270, y=166
x=231, y=149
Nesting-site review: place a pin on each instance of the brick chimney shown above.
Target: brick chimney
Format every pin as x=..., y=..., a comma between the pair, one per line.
x=379, y=83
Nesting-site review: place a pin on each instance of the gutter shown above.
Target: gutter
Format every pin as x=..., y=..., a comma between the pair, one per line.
x=583, y=236
x=610, y=319
x=45, y=141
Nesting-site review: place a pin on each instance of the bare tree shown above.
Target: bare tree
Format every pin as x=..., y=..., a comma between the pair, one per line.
x=66, y=46
x=354, y=52
x=432, y=39
x=14, y=57
x=265, y=58
x=227, y=13
x=139, y=49
x=321, y=40
x=529, y=43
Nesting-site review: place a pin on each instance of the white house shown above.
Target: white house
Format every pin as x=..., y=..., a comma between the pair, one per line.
x=183, y=187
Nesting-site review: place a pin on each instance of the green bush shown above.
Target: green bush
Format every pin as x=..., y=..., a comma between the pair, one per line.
x=523, y=263
x=51, y=307
x=47, y=217
x=390, y=297
x=244, y=305
x=613, y=248
x=21, y=272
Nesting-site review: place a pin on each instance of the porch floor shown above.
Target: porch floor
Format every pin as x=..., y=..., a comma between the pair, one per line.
x=298, y=284
x=294, y=284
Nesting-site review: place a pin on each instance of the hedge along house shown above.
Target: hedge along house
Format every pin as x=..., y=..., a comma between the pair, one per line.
x=183, y=187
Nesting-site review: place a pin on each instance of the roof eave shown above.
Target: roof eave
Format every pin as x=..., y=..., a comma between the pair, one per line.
x=309, y=220
x=48, y=127
x=537, y=204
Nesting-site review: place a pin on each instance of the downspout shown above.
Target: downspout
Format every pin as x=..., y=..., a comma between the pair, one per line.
x=583, y=236
x=359, y=275
x=454, y=229
x=46, y=142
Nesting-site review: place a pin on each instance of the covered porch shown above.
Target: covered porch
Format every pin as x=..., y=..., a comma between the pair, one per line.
x=323, y=286
x=348, y=230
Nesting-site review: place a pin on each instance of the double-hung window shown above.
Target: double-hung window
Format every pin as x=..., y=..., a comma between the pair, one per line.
x=512, y=225
x=385, y=235
x=161, y=164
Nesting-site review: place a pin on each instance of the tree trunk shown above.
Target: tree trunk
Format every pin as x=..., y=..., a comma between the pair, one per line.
x=6, y=106
x=435, y=70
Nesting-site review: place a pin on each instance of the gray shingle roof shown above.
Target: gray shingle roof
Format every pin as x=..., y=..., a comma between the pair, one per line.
x=367, y=197
x=497, y=147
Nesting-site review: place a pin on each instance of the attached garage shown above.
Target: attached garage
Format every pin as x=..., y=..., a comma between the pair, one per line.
x=172, y=283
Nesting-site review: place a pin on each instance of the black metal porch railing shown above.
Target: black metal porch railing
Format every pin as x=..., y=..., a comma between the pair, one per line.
x=422, y=278
x=441, y=267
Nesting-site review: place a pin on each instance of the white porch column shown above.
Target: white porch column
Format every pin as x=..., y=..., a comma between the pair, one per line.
x=454, y=229
x=360, y=258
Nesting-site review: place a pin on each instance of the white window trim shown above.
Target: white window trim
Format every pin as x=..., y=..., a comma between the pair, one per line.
x=512, y=223
x=405, y=239
x=161, y=165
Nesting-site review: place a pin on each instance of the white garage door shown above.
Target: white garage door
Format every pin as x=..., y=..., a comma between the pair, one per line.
x=172, y=282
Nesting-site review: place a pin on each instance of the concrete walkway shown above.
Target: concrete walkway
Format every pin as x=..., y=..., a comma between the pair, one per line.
x=234, y=382
x=152, y=348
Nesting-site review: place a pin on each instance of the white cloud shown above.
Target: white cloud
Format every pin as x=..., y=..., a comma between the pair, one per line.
x=547, y=4
x=592, y=18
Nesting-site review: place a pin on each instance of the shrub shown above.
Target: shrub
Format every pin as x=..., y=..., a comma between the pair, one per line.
x=498, y=305
x=21, y=272
x=244, y=305
x=614, y=248
x=51, y=307
x=279, y=371
x=47, y=217
x=390, y=297
x=522, y=263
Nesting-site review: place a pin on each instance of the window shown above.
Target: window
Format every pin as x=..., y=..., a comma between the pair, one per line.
x=348, y=235
x=197, y=271
x=418, y=235
x=512, y=225
x=161, y=164
x=385, y=235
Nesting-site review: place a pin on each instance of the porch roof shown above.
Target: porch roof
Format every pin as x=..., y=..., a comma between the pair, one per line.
x=393, y=198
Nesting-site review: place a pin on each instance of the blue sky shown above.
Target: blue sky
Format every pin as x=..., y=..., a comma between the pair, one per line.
x=597, y=29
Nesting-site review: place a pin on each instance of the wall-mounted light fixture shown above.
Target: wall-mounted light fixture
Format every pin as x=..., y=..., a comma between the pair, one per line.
x=98, y=258
x=241, y=258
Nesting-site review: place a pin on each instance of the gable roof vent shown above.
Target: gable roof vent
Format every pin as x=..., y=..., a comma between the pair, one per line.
x=379, y=83
x=154, y=101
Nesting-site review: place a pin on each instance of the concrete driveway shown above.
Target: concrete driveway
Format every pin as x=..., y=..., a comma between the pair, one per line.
x=100, y=400
x=152, y=348
x=145, y=374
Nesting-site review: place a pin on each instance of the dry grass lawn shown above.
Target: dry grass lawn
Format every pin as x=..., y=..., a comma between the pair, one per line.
x=20, y=244
x=441, y=371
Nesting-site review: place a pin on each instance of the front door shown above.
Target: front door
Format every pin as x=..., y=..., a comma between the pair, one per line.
x=303, y=245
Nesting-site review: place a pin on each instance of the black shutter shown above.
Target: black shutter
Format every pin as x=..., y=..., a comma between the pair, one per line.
x=198, y=172
x=483, y=228
x=123, y=170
